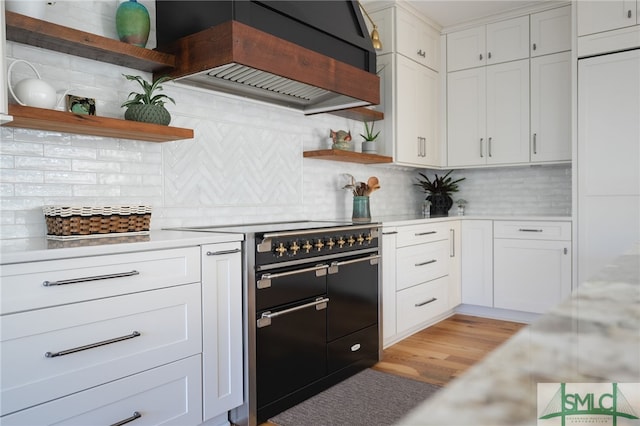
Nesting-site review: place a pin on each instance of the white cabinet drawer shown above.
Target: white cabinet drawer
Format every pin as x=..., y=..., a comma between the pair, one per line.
x=22, y=285
x=421, y=303
x=168, y=322
x=532, y=230
x=418, y=234
x=421, y=263
x=167, y=395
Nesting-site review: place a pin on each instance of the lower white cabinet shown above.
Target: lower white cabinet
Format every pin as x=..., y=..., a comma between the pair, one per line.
x=532, y=265
x=222, y=321
x=153, y=336
x=477, y=262
x=420, y=276
x=167, y=395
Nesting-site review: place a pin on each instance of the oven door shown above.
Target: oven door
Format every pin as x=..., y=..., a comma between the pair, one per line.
x=291, y=348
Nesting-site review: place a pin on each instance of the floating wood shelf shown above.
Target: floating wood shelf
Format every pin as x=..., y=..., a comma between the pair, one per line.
x=61, y=121
x=347, y=156
x=360, y=114
x=35, y=32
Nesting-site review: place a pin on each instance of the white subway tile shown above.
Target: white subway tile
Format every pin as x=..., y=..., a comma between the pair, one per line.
x=42, y=163
x=21, y=176
x=34, y=190
x=70, y=177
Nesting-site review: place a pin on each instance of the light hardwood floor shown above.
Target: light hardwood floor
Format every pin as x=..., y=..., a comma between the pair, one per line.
x=445, y=350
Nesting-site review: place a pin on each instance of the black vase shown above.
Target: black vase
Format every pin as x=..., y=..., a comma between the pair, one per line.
x=440, y=205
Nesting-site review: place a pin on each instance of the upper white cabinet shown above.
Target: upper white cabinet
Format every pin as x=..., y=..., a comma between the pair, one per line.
x=607, y=26
x=606, y=15
x=416, y=40
x=488, y=115
x=416, y=100
x=488, y=44
x=551, y=31
x=410, y=88
x=551, y=108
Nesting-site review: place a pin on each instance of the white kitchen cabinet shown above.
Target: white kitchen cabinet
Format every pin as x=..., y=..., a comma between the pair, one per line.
x=477, y=262
x=488, y=115
x=551, y=31
x=608, y=154
x=222, y=319
x=168, y=395
x=494, y=43
x=532, y=265
x=551, y=108
x=98, y=338
x=420, y=276
x=410, y=89
x=417, y=40
x=605, y=15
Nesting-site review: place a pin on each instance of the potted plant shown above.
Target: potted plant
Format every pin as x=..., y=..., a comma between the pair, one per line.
x=146, y=106
x=369, y=144
x=439, y=190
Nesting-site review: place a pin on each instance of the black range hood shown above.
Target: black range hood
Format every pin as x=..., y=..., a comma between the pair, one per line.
x=315, y=56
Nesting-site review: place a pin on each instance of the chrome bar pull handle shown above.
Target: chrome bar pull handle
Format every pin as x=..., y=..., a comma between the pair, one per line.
x=481, y=56
x=481, y=150
x=266, y=317
x=489, y=146
x=426, y=302
x=87, y=279
x=535, y=143
x=534, y=46
x=428, y=262
x=452, y=242
x=629, y=14
x=419, y=234
x=529, y=230
x=265, y=279
x=133, y=417
x=222, y=252
x=489, y=55
x=92, y=345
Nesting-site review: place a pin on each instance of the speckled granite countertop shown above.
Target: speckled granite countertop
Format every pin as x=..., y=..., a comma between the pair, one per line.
x=593, y=337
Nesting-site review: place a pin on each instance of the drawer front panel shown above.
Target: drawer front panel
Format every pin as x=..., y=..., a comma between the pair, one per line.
x=74, y=280
x=421, y=303
x=53, y=352
x=418, y=234
x=361, y=346
x=167, y=395
x=418, y=264
x=532, y=230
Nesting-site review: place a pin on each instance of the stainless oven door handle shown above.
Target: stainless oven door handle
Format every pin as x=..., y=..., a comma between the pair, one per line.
x=266, y=317
x=265, y=280
x=373, y=260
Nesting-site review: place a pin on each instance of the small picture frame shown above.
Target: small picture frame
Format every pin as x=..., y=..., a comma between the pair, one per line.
x=81, y=105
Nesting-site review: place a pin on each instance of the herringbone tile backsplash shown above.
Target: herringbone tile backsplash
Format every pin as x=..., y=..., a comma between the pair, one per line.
x=245, y=163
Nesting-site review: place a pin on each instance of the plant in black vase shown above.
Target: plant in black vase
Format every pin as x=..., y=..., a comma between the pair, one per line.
x=439, y=190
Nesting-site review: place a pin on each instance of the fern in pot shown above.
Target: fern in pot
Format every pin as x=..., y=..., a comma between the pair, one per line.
x=147, y=106
x=439, y=190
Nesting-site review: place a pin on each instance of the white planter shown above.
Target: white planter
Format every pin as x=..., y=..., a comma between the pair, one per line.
x=370, y=147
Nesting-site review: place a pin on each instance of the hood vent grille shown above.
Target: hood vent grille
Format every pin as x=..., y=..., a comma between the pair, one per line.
x=242, y=74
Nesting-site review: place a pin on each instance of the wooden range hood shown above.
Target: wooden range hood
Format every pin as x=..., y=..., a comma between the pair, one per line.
x=237, y=58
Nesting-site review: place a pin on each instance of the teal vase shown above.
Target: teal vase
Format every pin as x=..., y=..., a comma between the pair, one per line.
x=133, y=23
x=361, y=210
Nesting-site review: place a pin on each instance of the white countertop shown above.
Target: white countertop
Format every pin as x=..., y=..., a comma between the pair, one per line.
x=37, y=249
x=402, y=220
x=593, y=337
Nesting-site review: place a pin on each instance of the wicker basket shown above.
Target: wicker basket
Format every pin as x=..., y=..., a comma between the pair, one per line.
x=67, y=221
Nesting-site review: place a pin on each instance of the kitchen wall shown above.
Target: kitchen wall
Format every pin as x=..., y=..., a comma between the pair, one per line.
x=244, y=164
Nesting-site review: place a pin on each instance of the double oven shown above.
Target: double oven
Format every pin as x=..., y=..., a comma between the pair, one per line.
x=311, y=304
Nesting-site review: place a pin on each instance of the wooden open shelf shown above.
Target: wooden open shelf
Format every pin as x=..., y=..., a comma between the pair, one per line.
x=347, y=156
x=39, y=33
x=360, y=114
x=68, y=122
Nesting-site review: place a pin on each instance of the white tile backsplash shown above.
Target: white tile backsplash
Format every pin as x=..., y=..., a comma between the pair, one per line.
x=244, y=164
